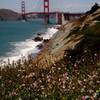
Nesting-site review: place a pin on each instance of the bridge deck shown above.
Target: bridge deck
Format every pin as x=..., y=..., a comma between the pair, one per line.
x=66, y=13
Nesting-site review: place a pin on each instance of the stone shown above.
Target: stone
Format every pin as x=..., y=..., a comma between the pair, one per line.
x=36, y=39
x=46, y=40
x=40, y=46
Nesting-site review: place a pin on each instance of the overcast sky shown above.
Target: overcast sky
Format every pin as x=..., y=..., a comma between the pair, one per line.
x=55, y=5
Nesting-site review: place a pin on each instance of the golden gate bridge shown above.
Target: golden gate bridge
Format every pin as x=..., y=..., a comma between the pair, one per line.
x=46, y=13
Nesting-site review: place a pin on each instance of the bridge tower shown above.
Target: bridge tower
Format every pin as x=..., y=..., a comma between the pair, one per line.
x=23, y=9
x=46, y=11
x=59, y=18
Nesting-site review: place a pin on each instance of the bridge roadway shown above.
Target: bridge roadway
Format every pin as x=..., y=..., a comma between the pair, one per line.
x=67, y=16
x=50, y=13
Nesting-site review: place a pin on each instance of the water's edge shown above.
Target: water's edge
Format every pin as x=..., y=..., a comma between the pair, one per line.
x=25, y=48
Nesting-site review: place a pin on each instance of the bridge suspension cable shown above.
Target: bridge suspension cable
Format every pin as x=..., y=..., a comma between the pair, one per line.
x=23, y=8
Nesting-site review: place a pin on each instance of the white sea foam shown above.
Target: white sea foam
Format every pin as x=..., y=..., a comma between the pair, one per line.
x=50, y=33
x=25, y=48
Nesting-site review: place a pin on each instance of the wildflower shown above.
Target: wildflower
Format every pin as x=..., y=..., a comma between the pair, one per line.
x=42, y=75
x=94, y=76
x=14, y=94
x=86, y=97
x=65, y=55
x=63, y=86
x=90, y=77
x=94, y=95
x=90, y=91
x=22, y=76
x=83, y=59
x=70, y=56
x=59, y=68
x=80, y=82
x=26, y=76
x=19, y=70
x=64, y=82
x=18, y=75
x=73, y=88
x=50, y=86
x=2, y=85
x=84, y=86
x=23, y=85
x=59, y=79
x=84, y=80
x=85, y=51
x=83, y=98
x=42, y=87
x=10, y=81
x=65, y=76
x=98, y=82
x=75, y=65
x=40, y=81
x=48, y=79
x=82, y=90
x=35, y=84
x=95, y=55
x=54, y=64
x=31, y=75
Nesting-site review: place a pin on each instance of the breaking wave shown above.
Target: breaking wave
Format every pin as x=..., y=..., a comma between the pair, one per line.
x=25, y=48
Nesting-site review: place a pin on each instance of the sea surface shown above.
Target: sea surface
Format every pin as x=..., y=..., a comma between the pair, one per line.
x=16, y=38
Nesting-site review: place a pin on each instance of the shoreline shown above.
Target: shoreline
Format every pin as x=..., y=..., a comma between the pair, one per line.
x=32, y=48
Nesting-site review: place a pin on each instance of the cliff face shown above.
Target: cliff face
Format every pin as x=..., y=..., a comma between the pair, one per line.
x=71, y=36
x=72, y=33
x=6, y=14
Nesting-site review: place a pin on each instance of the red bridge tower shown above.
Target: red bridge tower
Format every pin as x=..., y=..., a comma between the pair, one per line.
x=46, y=11
x=23, y=9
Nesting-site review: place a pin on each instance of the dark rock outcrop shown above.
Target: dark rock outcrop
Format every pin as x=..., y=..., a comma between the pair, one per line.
x=36, y=39
x=40, y=46
x=46, y=40
x=93, y=9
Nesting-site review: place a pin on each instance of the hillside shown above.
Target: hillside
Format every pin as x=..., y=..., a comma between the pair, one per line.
x=71, y=35
x=6, y=14
x=68, y=68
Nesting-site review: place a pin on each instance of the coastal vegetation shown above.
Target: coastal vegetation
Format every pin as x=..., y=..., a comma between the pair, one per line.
x=68, y=68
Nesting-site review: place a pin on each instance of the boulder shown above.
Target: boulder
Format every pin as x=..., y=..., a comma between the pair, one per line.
x=40, y=46
x=36, y=39
x=46, y=40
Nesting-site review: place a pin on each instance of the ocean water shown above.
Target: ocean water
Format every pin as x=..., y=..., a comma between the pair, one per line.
x=16, y=38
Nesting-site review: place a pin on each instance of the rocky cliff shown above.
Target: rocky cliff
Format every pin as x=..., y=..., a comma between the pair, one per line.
x=72, y=34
